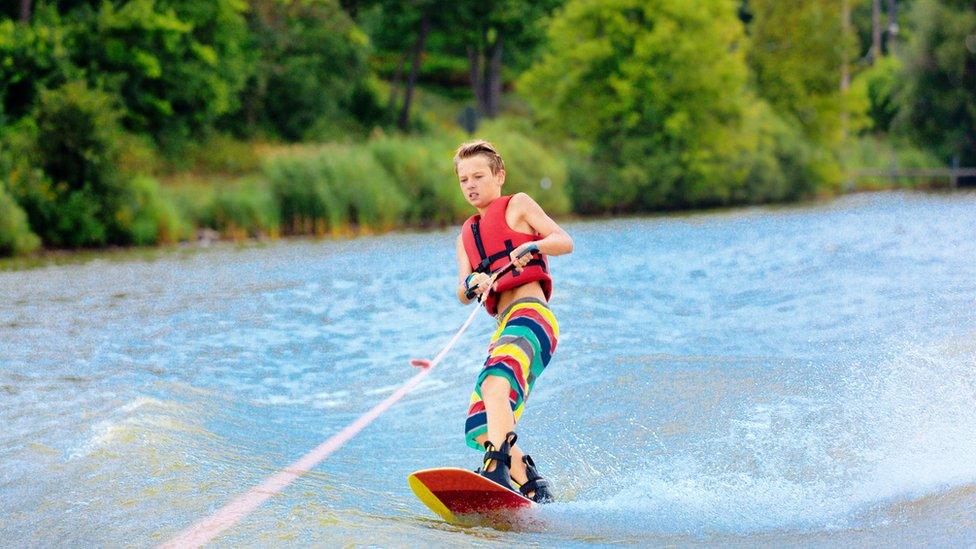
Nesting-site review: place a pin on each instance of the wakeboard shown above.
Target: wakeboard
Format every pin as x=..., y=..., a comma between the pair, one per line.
x=462, y=496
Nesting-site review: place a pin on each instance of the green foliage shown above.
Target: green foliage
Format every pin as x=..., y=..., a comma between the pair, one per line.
x=780, y=161
x=77, y=137
x=67, y=178
x=310, y=68
x=144, y=217
x=247, y=208
x=877, y=86
x=421, y=168
x=178, y=65
x=796, y=55
x=873, y=152
x=938, y=103
x=16, y=237
x=437, y=68
x=332, y=187
x=32, y=57
x=659, y=88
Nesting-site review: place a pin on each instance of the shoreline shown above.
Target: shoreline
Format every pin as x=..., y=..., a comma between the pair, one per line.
x=208, y=239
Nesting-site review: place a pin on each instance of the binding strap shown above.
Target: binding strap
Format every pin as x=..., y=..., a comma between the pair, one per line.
x=533, y=485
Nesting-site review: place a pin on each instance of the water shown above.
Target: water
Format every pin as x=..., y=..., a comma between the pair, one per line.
x=788, y=376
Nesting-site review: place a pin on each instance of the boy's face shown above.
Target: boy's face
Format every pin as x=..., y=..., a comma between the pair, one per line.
x=478, y=185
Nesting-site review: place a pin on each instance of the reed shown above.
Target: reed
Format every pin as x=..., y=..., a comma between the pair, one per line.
x=422, y=170
x=334, y=188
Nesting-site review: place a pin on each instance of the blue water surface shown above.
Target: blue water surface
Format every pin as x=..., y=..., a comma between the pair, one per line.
x=764, y=376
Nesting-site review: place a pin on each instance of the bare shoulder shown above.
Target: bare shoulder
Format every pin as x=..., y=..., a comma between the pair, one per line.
x=523, y=203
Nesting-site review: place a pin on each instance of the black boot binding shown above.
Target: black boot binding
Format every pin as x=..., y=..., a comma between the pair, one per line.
x=503, y=462
x=535, y=483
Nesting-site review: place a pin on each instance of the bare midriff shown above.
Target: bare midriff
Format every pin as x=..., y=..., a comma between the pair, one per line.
x=532, y=289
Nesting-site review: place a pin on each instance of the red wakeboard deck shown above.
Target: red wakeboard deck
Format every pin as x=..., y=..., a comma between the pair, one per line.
x=456, y=494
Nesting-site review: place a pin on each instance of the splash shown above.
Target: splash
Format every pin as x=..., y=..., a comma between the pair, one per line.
x=874, y=436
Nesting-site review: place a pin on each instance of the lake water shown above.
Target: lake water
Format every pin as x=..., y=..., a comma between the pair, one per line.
x=773, y=376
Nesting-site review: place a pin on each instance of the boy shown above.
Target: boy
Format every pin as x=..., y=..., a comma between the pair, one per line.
x=523, y=344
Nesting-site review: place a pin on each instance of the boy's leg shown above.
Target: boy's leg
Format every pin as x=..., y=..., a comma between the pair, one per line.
x=519, y=352
x=494, y=393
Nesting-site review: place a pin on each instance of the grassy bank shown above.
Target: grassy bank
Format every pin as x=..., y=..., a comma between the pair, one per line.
x=240, y=190
x=337, y=189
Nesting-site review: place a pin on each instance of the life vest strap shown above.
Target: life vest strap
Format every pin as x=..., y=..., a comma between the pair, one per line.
x=488, y=260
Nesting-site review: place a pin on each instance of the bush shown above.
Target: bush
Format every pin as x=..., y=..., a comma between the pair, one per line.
x=872, y=152
x=780, y=162
x=76, y=196
x=144, y=217
x=332, y=188
x=244, y=209
x=877, y=87
x=422, y=170
x=310, y=69
x=15, y=235
x=66, y=177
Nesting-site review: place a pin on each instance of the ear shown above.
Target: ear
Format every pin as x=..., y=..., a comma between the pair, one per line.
x=501, y=177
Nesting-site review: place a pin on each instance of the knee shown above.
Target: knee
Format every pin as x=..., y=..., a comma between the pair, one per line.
x=495, y=387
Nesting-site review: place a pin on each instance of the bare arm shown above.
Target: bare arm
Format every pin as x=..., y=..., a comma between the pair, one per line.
x=480, y=280
x=464, y=269
x=555, y=241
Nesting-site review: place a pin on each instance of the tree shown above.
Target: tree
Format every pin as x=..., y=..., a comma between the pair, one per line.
x=178, y=65
x=492, y=28
x=655, y=86
x=798, y=61
x=407, y=28
x=33, y=57
x=937, y=102
x=309, y=62
x=658, y=94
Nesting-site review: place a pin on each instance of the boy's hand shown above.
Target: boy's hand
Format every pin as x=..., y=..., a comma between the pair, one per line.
x=519, y=263
x=478, y=284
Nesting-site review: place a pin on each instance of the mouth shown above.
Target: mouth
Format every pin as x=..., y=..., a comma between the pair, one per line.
x=472, y=196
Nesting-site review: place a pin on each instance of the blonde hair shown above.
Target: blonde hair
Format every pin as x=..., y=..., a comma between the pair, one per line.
x=482, y=147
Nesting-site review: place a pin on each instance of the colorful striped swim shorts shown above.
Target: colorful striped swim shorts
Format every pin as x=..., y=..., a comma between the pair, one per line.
x=519, y=351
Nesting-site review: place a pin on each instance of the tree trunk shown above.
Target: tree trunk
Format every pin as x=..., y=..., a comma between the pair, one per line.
x=25, y=10
x=418, y=50
x=845, y=67
x=474, y=70
x=395, y=84
x=875, y=30
x=892, y=29
x=845, y=33
x=493, y=78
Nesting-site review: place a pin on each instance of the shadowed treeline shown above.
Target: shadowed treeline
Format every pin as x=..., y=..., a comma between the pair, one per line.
x=134, y=122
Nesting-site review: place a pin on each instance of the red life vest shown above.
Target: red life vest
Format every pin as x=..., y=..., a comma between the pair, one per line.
x=488, y=241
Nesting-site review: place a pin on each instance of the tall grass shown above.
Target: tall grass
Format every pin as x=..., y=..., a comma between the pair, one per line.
x=324, y=189
x=336, y=189
x=236, y=208
x=422, y=170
